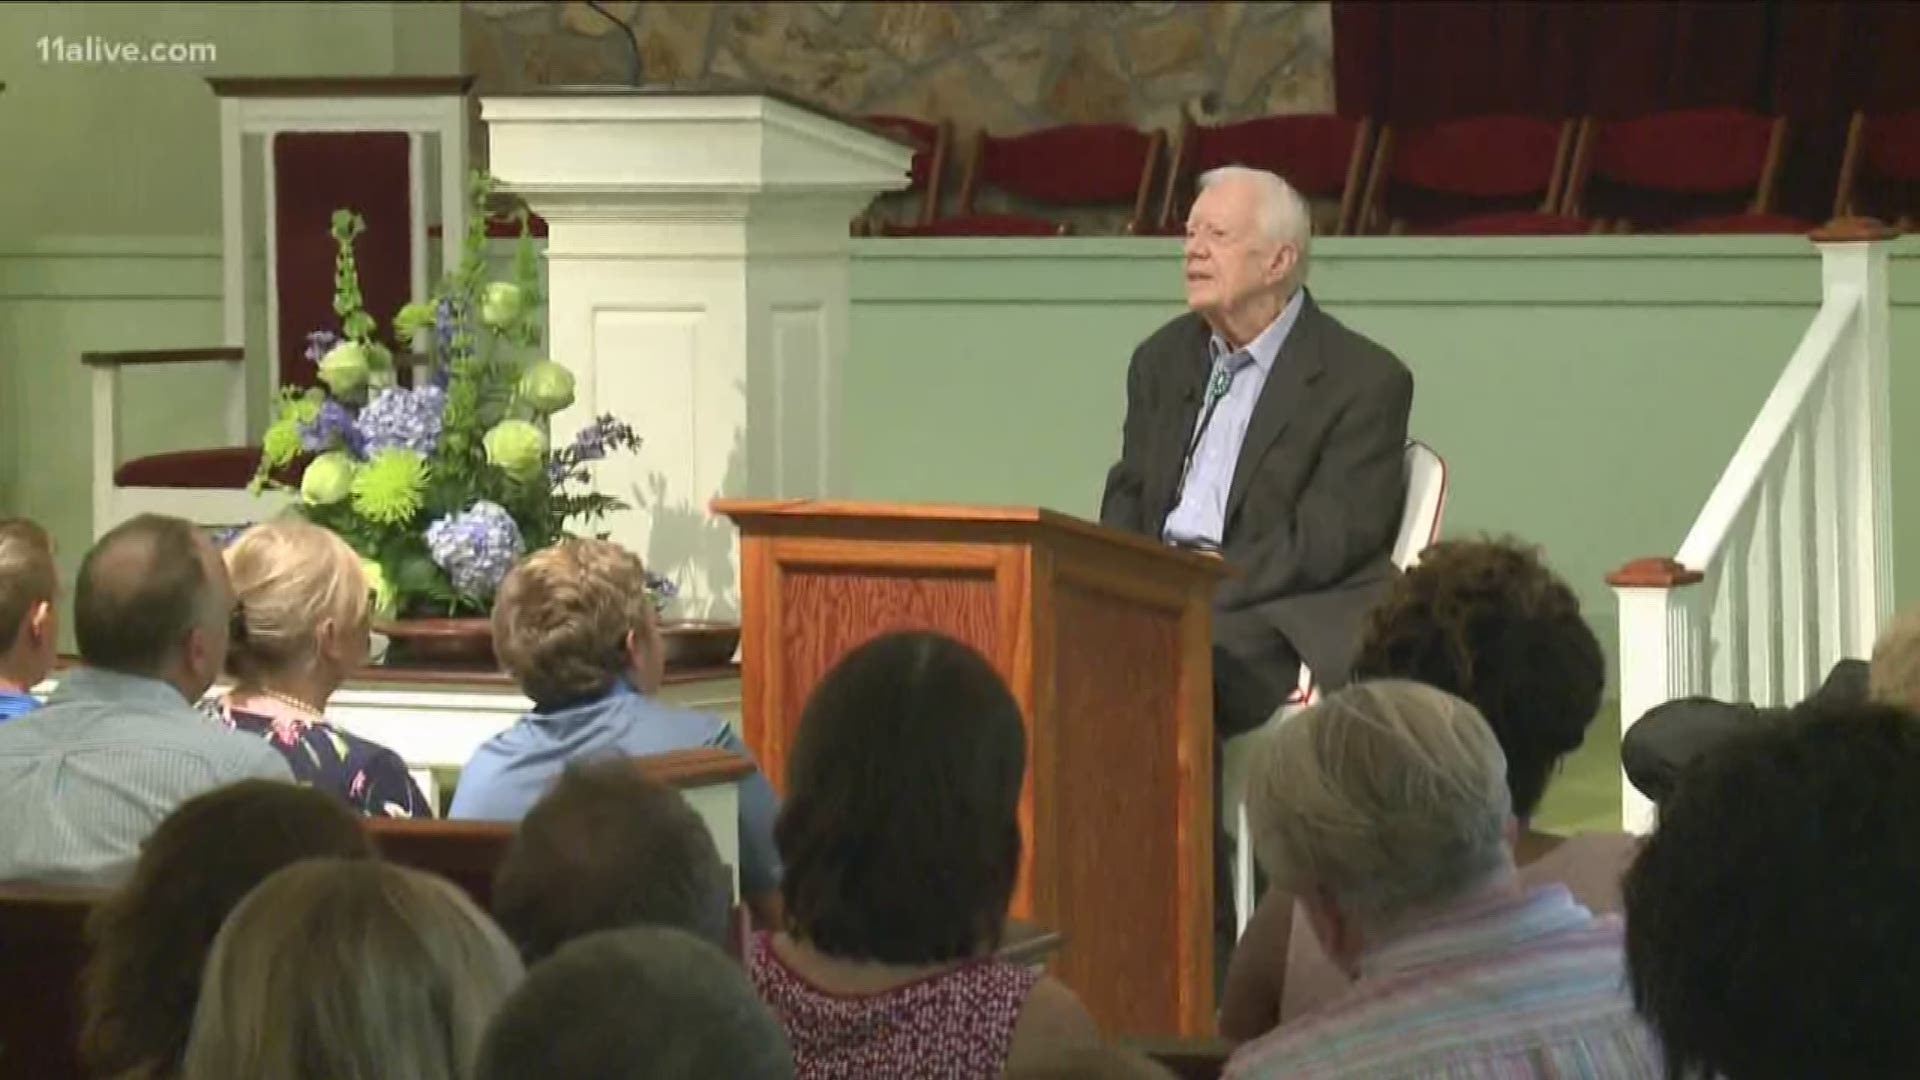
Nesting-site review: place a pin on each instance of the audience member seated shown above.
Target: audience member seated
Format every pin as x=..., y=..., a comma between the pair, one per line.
x=29, y=630
x=606, y=849
x=149, y=940
x=1655, y=749
x=902, y=840
x=1386, y=810
x=1769, y=919
x=643, y=1003
x=304, y=625
x=336, y=969
x=574, y=625
x=85, y=778
x=1488, y=622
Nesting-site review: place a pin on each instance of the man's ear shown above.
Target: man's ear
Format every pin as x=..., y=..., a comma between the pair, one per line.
x=1281, y=265
x=40, y=620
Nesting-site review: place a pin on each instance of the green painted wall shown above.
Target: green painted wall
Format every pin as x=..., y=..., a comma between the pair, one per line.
x=1586, y=392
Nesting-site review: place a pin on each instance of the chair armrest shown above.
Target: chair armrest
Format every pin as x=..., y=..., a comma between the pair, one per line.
x=144, y=357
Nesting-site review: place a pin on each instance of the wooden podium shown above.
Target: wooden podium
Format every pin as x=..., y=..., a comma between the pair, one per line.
x=1105, y=639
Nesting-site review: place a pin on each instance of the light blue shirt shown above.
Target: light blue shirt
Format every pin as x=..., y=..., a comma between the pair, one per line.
x=1201, y=515
x=86, y=777
x=511, y=771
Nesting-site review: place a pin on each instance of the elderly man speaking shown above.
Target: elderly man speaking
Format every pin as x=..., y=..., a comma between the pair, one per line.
x=1260, y=428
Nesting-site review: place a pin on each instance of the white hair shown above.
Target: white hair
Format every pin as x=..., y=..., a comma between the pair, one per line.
x=1284, y=216
x=1389, y=796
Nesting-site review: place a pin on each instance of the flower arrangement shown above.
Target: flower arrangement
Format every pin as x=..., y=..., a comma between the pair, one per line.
x=443, y=485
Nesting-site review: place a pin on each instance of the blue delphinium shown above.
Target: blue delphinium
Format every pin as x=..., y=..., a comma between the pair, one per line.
x=319, y=343
x=332, y=427
x=476, y=548
x=402, y=419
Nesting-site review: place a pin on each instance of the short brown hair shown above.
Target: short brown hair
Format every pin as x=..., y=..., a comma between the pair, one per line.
x=561, y=619
x=149, y=939
x=608, y=848
x=901, y=830
x=140, y=589
x=27, y=574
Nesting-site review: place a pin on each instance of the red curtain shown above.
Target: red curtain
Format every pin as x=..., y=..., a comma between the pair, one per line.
x=1414, y=63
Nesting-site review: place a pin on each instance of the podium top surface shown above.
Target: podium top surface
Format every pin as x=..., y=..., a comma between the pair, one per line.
x=745, y=511
x=709, y=88
x=340, y=86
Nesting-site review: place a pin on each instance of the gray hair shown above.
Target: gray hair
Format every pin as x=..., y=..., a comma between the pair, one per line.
x=1389, y=796
x=1284, y=216
x=346, y=970
x=650, y=1003
x=1893, y=674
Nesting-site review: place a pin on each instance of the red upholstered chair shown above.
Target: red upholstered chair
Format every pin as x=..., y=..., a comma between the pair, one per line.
x=1069, y=166
x=322, y=144
x=933, y=140
x=1479, y=176
x=1880, y=172
x=1322, y=156
x=1693, y=171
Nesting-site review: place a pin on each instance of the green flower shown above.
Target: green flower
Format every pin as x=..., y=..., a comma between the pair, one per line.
x=328, y=479
x=344, y=369
x=390, y=486
x=519, y=448
x=386, y=602
x=547, y=387
x=500, y=305
x=281, y=443
x=413, y=324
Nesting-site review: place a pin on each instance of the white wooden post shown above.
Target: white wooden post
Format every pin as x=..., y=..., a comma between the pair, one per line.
x=1662, y=654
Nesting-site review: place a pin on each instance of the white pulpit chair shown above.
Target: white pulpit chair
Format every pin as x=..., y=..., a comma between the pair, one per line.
x=285, y=225
x=1419, y=527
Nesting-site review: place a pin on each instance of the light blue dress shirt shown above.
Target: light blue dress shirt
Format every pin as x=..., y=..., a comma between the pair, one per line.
x=1200, y=517
x=511, y=771
x=85, y=777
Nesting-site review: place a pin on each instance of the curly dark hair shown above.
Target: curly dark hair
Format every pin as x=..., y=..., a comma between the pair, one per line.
x=149, y=940
x=1769, y=918
x=900, y=833
x=1488, y=621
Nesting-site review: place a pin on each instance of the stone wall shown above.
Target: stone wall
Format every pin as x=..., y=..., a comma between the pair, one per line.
x=1007, y=67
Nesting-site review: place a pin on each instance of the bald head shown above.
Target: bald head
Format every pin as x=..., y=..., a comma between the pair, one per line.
x=153, y=599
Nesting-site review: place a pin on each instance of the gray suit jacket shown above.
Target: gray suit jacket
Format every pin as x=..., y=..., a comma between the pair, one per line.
x=1317, y=490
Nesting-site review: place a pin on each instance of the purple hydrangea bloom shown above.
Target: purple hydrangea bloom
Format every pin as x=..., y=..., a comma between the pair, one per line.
x=398, y=418
x=476, y=548
x=319, y=343
x=333, y=426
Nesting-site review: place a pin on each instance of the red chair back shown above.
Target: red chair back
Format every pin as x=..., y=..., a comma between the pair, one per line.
x=929, y=160
x=1880, y=171
x=1321, y=156
x=1071, y=165
x=1676, y=171
x=1484, y=174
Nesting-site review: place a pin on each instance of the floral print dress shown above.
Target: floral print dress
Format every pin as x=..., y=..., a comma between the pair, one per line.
x=369, y=777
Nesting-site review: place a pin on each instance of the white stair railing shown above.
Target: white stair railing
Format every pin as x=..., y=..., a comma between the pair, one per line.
x=1787, y=570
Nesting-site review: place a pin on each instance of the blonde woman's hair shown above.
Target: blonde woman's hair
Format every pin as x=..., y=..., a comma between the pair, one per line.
x=1389, y=796
x=561, y=619
x=290, y=576
x=1893, y=675
x=350, y=970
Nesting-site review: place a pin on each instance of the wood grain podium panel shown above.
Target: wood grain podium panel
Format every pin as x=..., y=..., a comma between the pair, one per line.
x=1103, y=639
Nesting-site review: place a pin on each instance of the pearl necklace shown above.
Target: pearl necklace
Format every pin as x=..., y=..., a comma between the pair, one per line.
x=293, y=702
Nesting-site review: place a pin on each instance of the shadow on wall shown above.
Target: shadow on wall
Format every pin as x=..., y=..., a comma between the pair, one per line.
x=695, y=547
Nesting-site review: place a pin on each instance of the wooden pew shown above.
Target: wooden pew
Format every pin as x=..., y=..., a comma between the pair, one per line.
x=42, y=950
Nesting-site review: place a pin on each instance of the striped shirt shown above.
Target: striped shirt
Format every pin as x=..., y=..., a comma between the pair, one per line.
x=1528, y=987
x=85, y=777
